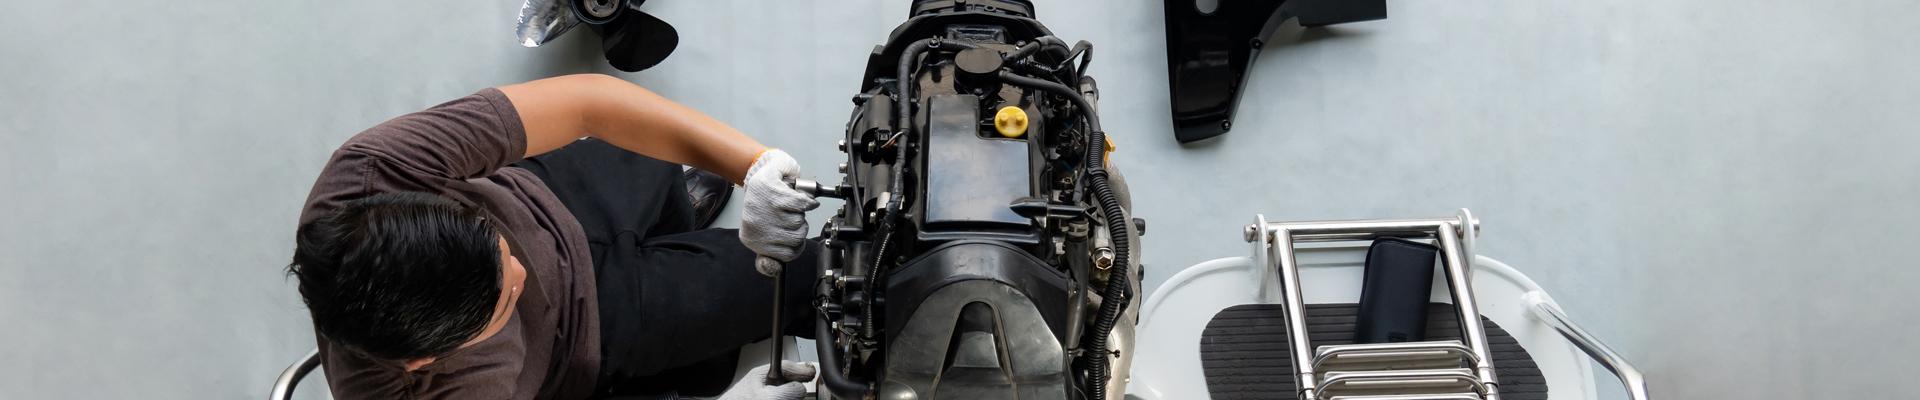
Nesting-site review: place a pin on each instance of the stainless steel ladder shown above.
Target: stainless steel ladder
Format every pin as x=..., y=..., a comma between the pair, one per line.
x=1445, y=369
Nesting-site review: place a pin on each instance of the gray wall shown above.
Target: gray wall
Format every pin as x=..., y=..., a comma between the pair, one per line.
x=1708, y=184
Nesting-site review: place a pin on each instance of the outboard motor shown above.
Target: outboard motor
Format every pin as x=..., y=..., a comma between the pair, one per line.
x=984, y=249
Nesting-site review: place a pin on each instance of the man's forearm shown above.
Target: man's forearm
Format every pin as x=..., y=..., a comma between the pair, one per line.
x=557, y=111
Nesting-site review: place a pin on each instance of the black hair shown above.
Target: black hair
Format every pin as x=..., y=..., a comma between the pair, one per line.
x=399, y=275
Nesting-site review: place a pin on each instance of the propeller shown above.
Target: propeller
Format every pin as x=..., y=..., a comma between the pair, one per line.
x=632, y=40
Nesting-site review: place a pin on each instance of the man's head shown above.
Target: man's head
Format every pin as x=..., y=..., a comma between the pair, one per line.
x=406, y=276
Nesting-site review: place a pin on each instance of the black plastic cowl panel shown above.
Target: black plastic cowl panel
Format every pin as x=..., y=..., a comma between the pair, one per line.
x=1210, y=51
x=976, y=320
x=966, y=260
x=970, y=179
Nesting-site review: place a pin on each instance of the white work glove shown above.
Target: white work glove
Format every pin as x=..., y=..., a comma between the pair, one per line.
x=754, y=386
x=774, y=221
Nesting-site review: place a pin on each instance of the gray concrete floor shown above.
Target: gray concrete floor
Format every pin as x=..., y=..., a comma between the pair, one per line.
x=1714, y=186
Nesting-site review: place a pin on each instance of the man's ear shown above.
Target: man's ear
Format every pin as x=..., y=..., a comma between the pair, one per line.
x=418, y=362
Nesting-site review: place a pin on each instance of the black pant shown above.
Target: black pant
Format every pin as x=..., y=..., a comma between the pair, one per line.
x=671, y=294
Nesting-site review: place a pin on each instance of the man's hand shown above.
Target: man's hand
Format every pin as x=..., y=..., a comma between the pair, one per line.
x=774, y=222
x=755, y=386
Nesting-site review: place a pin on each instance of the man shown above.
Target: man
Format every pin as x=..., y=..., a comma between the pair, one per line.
x=482, y=249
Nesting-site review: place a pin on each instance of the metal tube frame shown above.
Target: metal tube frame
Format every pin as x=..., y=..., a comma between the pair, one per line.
x=1274, y=242
x=1636, y=384
x=1297, y=338
x=290, y=378
x=1466, y=308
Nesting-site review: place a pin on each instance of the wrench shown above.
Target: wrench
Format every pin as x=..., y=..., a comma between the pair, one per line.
x=774, y=377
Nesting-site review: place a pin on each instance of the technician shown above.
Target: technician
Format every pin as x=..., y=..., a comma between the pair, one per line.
x=540, y=241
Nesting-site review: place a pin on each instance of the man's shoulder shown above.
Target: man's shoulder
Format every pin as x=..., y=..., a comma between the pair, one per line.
x=490, y=369
x=424, y=151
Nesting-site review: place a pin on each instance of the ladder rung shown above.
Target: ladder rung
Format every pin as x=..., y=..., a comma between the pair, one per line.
x=1400, y=382
x=1433, y=396
x=1392, y=356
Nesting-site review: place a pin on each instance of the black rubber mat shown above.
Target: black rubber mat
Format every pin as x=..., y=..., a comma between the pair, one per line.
x=1244, y=351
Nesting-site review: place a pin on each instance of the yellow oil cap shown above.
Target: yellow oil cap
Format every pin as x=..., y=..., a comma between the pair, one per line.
x=1011, y=122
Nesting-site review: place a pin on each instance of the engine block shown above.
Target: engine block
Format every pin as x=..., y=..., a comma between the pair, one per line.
x=983, y=249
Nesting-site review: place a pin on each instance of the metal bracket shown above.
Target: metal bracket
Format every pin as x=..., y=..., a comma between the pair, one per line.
x=1212, y=43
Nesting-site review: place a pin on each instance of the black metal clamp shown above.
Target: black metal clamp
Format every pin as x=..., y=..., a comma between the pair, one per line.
x=1210, y=49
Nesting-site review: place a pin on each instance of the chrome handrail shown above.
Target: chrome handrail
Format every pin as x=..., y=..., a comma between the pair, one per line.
x=283, y=387
x=1544, y=309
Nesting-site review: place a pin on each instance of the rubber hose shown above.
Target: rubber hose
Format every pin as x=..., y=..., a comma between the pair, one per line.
x=903, y=109
x=831, y=375
x=902, y=115
x=1084, y=50
x=1049, y=42
x=903, y=118
x=1115, y=298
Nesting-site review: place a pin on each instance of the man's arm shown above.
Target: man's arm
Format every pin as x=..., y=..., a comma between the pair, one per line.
x=557, y=111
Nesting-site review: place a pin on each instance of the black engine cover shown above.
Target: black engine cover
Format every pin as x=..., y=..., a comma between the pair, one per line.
x=976, y=320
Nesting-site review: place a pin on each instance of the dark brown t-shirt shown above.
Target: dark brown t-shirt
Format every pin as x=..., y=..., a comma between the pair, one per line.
x=550, y=349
